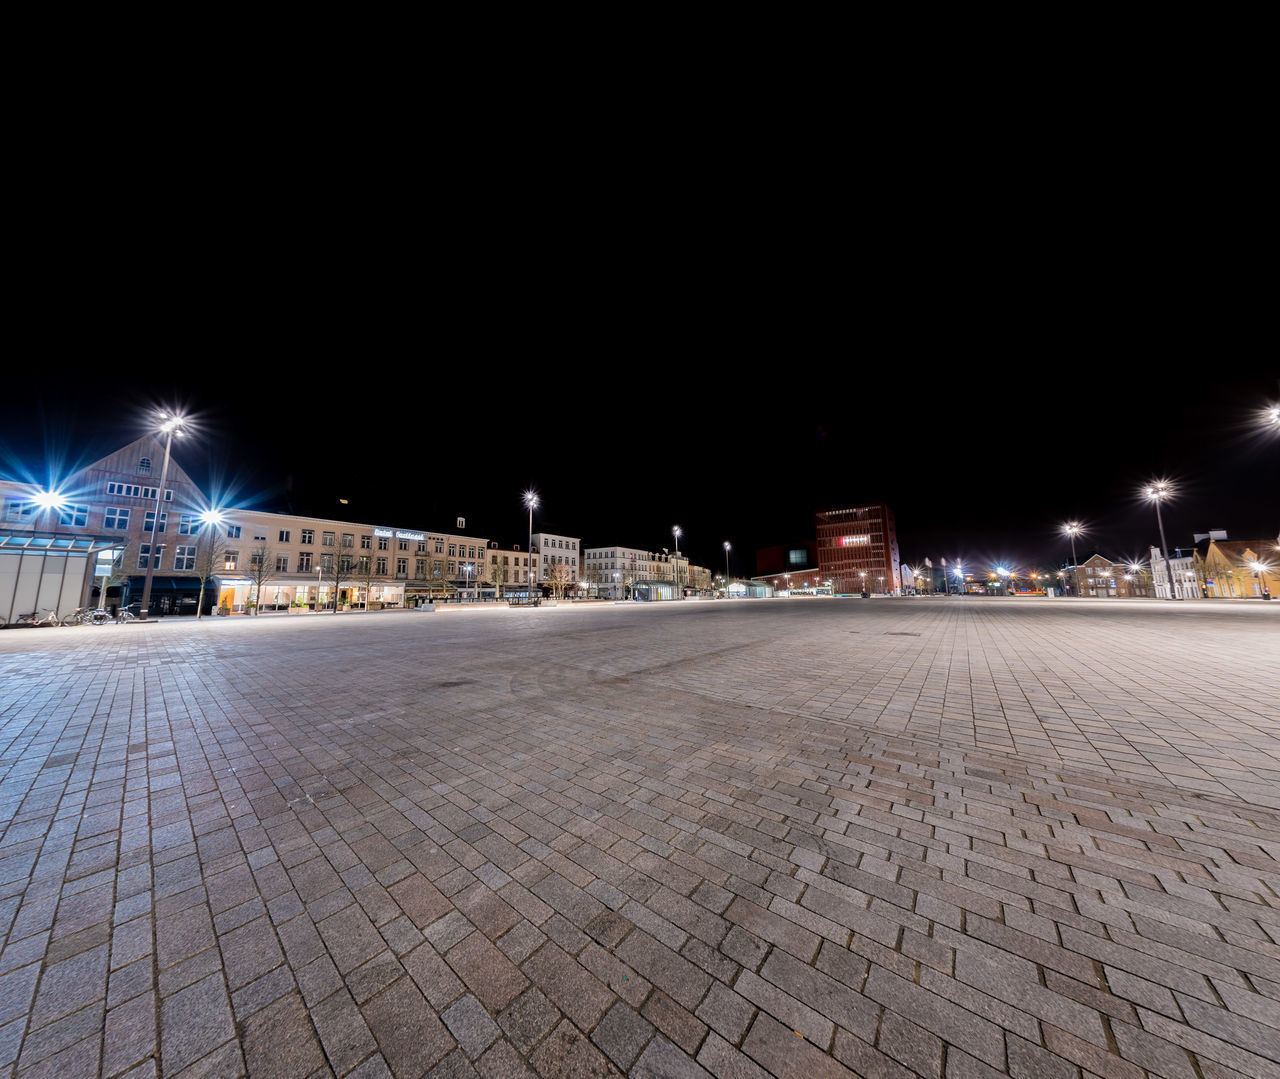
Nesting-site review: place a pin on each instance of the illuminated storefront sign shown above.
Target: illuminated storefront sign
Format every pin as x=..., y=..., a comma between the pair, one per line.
x=846, y=541
x=399, y=533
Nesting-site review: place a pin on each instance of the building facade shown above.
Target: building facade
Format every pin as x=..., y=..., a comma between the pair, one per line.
x=857, y=541
x=554, y=550
x=1186, y=574
x=1242, y=569
x=258, y=559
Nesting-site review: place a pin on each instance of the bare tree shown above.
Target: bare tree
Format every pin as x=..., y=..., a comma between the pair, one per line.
x=336, y=567
x=211, y=554
x=365, y=573
x=262, y=566
x=498, y=574
x=557, y=577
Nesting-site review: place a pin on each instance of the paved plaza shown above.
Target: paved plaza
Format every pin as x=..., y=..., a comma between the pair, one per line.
x=801, y=838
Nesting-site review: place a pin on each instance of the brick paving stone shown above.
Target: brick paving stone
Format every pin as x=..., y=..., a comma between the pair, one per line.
x=471, y=1026
x=1045, y=835
x=622, y=1035
x=409, y=1035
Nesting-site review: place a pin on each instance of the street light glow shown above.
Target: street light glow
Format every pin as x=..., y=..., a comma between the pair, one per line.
x=50, y=500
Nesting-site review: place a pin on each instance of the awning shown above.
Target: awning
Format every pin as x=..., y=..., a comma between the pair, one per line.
x=56, y=542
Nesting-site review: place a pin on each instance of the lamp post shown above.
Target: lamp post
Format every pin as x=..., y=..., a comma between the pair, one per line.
x=863, y=574
x=1004, y=578
x=726, y=569
x=1073, y=529
x=1259, y=568
x=616, y=578
x=530, y=500
x=1157, y=492
x=675, y=531
x=959, y=577
x=169, y=426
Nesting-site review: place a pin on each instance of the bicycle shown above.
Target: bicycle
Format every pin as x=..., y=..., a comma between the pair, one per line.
x=35, y=618
x=87, y=616
x=126, y=615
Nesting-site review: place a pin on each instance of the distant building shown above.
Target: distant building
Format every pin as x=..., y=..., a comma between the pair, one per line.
x=1186, y=577
x=1241, y=569
x=556, y=550
x=857, y=541
x=1104, y=577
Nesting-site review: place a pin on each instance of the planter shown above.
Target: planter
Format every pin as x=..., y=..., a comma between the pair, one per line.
x=223, y=612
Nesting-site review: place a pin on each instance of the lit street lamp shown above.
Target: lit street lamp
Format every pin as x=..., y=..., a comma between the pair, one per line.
x=530, y=500
x=1260, y=568
x=1073, y=529
x=1004, y=578
x=169, y=426
x=675, y=531
x=726, y=569
x=863, y=574
x=1157, y=492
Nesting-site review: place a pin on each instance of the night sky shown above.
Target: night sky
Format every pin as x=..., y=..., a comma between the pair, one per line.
x=992, y=328
x=984, y=469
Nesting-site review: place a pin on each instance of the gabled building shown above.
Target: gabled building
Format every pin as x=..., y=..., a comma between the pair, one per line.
x=1242, y=569
x=1099, y=577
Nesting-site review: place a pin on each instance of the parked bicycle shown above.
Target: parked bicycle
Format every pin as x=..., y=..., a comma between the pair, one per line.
x=87, y=616
x=126, y=615
x=35, y=618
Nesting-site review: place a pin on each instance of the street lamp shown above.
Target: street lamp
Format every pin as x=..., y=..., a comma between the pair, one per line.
x=530, y=500
x=863, y=574
x=469, y=569
x=1157, y=491
x=616, y=578
x=959, y=577
x=1259, y=568
x=1074, y=529
x=1004, y=578
x=170, y=425
x=726, y=569
x=675, y=531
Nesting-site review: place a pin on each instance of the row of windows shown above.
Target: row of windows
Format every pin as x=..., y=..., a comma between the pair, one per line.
x=133, y=490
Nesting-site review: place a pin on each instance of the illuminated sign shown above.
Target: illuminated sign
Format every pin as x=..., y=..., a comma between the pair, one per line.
x=846, y=541
x=399, y=533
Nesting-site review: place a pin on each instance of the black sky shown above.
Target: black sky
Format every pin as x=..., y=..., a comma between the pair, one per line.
x=993, y=320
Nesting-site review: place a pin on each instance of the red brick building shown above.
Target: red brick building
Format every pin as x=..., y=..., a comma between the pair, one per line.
x=855, y=541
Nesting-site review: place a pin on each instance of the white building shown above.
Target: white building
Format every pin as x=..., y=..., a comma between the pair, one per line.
x=1185, y=582
x=553, y=550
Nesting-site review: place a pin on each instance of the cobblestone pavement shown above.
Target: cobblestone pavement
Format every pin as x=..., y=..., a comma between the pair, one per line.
x=799, y=838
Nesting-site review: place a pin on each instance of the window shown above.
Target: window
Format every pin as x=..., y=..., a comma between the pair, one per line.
x=184, y=558
x=382, y=567
x=151, y=520
x=326, y=539
x=382, y=543
x=345, y=563
x=452, y=569
x=282, y=536
x=304, y=562
x=439, y=546
x=420, y=567
x=144, y=465
x=308, y=536
x=233, y=531
x=188, y=525
x=74, y=516
x=255, y=559
x=348, y=540
x=326, y=563
x=117, y=518
x=129, y=490
x=282, y=563
x=471, y=552
x=402, y=567
x=366, y=543
x=16, y=510
x=144, y=549
x=231, y=559
x=422, y=547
